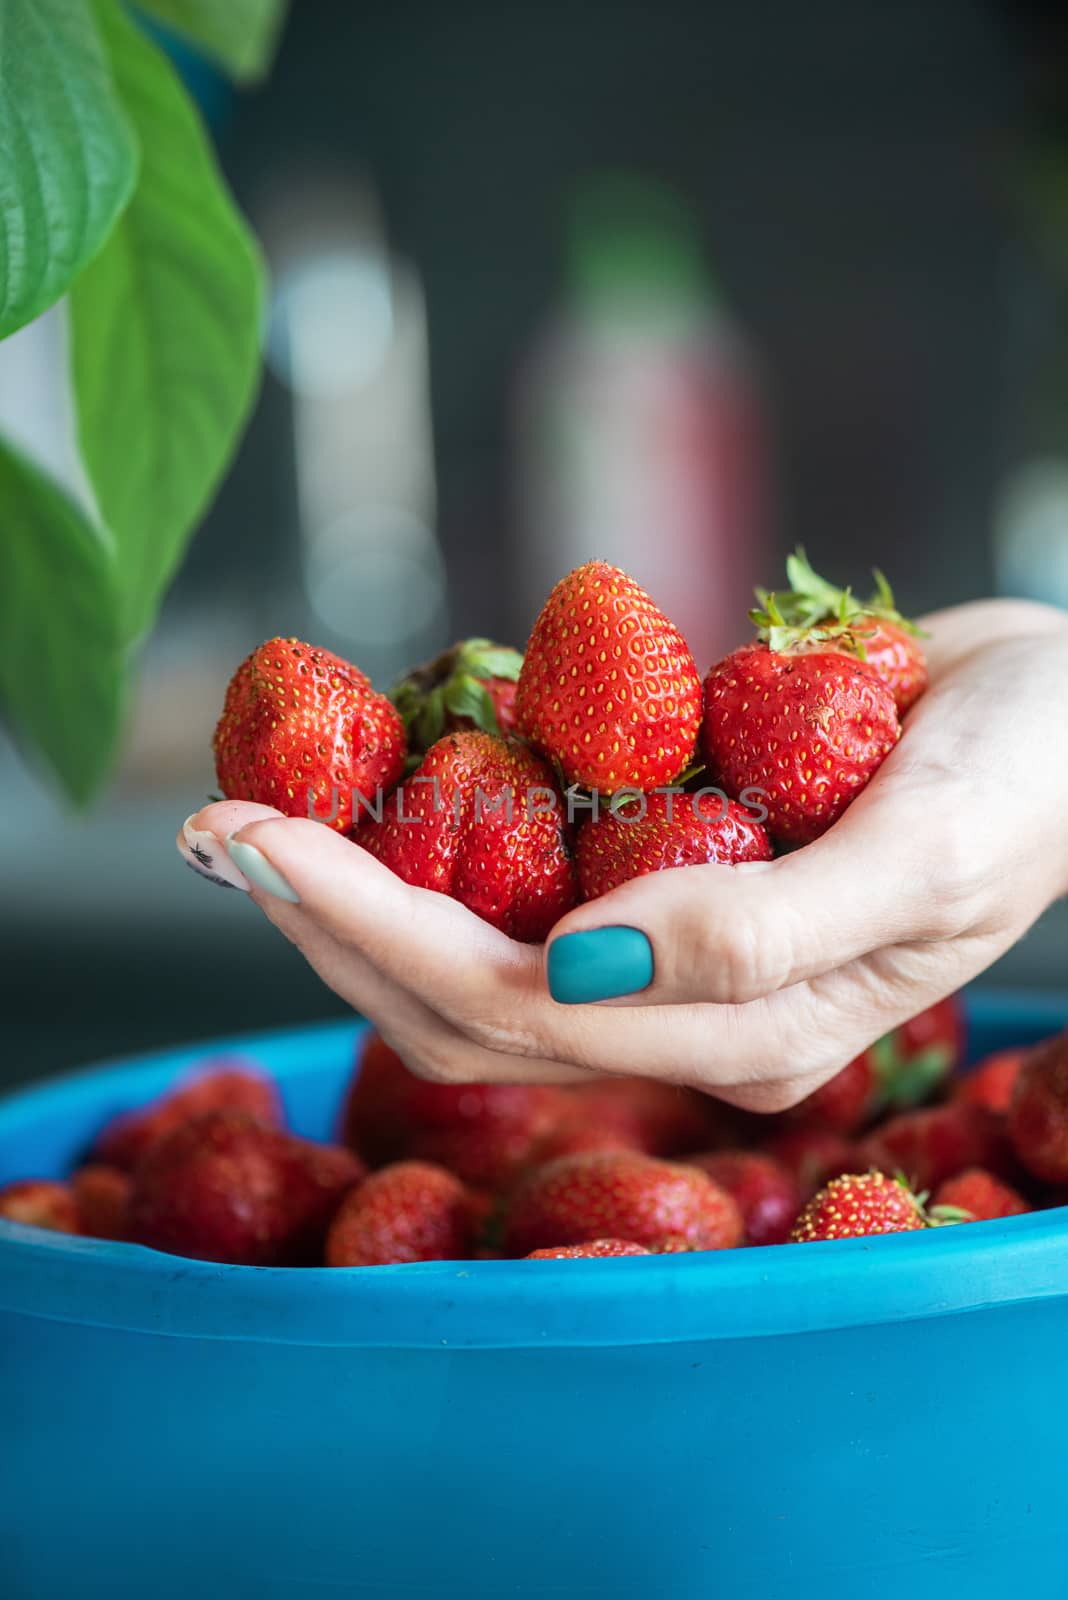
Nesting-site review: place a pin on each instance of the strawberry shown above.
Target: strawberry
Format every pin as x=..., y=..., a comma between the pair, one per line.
x=225, y=1188
x=842, y=1104
x=813, y=614
x=812, y=1156
x=481, y=821
x=411, y=1211
x=483, y=1132
x=41, y=1203
x=766, y=1194
x=802, y=731
x=619, y=1195
x=595, y=1248
x=648, y=833
x=859, y=1204
x=932, y=1145
x=608, y=688
x=103, y=1197
x=981, y=1196
x=301, y=729
x=473, y=685
x=1038, y=1113
x=991, y=1082
x=657, y=1118
x=228, y=1084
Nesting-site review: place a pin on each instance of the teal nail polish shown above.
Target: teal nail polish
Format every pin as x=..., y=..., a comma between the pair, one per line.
x=599, y=965
x=258, y=870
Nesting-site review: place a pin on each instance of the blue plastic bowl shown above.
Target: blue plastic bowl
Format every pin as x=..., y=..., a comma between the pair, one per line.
x=872, y=1418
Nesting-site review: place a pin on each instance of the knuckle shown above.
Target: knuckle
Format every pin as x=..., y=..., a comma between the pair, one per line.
x=733, y=962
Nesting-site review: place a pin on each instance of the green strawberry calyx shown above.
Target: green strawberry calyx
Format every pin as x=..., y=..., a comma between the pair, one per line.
x=454, y=684
x=812, y=611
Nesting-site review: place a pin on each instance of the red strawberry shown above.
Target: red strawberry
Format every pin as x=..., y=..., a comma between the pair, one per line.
x=411, y=1211
x=225, y=1085
x=483, y=1132
x=595, y=1248
x=619, y=1195
x=103, y=1197
x=301, y=729
x=41, y=1203
x=812, y=1156
x=982, y=1196
x=842, y=1104
x=660, y=1119
x=608, y=689
x=481, y=821
x=802, y=732
x=225, y=1188
x=1038, y=1113
x=813, y=614
x=473, y=685
x=649, y=833
x=766, y=1194
x=929, y=1146
x=855, y=1205
x=991, y=1083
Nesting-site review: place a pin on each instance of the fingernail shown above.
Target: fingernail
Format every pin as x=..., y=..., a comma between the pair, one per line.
x=258, y=869
x=204, y=852
x=599, y=965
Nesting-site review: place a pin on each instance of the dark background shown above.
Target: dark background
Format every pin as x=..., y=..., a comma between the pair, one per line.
x=882, y=196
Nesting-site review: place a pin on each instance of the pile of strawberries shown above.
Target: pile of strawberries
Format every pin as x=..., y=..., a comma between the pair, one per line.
x=520, y=785
x=428, y=1171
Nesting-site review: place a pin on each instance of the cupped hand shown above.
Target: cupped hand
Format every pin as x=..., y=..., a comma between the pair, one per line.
x=766, y=978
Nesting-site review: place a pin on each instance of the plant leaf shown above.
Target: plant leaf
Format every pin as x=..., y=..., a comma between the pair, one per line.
x=61, y=668
x=240, y=34
x=467, y=697
x=68, y=158
x=164, y=332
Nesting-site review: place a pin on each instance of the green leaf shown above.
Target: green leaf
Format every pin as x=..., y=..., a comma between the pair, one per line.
x=61, y=668
x=467, y=697
x=68, y=159
x=164, y=332
x=240, y=34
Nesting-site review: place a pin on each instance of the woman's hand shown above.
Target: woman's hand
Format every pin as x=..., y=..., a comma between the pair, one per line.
x=766, y=978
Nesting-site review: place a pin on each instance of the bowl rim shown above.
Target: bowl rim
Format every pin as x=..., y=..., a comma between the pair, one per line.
x=675, y=1299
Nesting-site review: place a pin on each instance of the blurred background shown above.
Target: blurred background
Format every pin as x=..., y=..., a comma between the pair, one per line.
x=679, y=285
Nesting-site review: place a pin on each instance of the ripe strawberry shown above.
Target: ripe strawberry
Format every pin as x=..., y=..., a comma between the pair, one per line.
x=225, y=1188
x=813, y=614
x=981, y=1196
x=1038, y=1113
x=803, y=731
x=483, y=1132
x=411, y=1211
x=301, y=729
x=102, y=1195
x=813, y=1156
x=228, y=1084
x=844, y=1103
x=608, y=689
x=991, y=1083
x=620, y=1195
x=481, y=821
x=649, y=833
x=657, y=1118
x=473, y=685
x=595, y=1248
x=766, y=1194
x=41, y=1203
x=855, y=1205
x=932, y=1145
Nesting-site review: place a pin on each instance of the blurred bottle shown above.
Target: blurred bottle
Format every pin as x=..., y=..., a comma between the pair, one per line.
x=640, y=438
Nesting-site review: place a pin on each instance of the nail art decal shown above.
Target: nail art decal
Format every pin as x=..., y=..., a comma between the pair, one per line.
x=203, y=853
